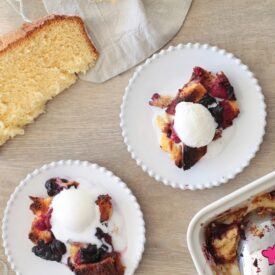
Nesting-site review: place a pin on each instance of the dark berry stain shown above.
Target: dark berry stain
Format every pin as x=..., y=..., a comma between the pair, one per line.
x=217, y=113
x=52, y=187
x=52, y=251
x=103, y=236
x=56, y=185
x=91, y=254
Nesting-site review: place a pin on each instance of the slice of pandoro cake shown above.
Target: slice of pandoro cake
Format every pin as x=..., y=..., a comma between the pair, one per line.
x=37, y=62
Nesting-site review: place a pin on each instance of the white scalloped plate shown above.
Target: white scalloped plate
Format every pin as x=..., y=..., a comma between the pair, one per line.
x=166, y=72
x=17, y=217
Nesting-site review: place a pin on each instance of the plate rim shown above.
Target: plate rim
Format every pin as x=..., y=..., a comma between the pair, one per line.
x=69, y=162
x=153, y=174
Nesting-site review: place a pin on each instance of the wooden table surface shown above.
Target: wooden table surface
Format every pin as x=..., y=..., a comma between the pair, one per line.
x=83, y=123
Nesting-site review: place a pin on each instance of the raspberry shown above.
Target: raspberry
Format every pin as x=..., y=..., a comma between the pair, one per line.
x=228, y=114
x=43, y=223
x=222, y=88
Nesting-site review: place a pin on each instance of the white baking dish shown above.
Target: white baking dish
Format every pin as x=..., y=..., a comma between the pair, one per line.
x=195, y=232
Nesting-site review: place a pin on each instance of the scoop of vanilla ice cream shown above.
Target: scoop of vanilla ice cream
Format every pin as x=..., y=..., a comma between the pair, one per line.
x=194, y=124
x=73, y=209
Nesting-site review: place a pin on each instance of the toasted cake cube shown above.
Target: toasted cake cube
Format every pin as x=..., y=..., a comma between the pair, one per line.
x=193, y=92
x=161, y=101
x=173, y=149
x=36, y=235
x=40, y=205
x=229, y=113
x=162, y=122
x=105, y=207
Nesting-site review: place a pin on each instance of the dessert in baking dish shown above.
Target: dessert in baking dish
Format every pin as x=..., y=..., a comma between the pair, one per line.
x=37, y=62
x=201, y=110
x=224, y=234
x=78, y=227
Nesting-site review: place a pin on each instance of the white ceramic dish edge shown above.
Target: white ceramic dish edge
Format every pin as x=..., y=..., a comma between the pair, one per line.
x=195, y=231
x=62, y=163
x=140, y=163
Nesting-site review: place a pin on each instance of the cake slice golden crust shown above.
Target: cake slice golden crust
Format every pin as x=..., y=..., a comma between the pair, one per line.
x=37, y=62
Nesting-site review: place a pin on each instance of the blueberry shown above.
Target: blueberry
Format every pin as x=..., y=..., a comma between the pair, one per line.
x=217, y=113
x=52, y=187
x=207, y=100
x=103, y=236
x=52, y=251
x=90, y=254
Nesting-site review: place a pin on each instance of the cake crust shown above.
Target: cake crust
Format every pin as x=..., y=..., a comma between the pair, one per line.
x=14, y=38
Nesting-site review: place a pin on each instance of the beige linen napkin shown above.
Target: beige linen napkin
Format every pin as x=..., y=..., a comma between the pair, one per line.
x=125, y=32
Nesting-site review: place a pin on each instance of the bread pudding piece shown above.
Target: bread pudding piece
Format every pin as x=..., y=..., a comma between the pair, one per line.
x=160, y=101
x=225, y=112
x=110, y=265
x=169, y=141
x=40, y=206
x=84, y=259
x=192, y=155
x=218, y=84
x=90, y=260
x=41, y=228
x=105, y=207
x=37, y=62
x=224, y=234
x=191, y=92
x=213, y=91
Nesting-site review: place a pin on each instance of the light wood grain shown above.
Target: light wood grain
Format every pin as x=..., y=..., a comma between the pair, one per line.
x=83, y=123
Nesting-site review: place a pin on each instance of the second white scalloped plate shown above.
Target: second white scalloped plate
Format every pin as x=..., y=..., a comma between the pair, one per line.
x=17, y=217
x=165, y=73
